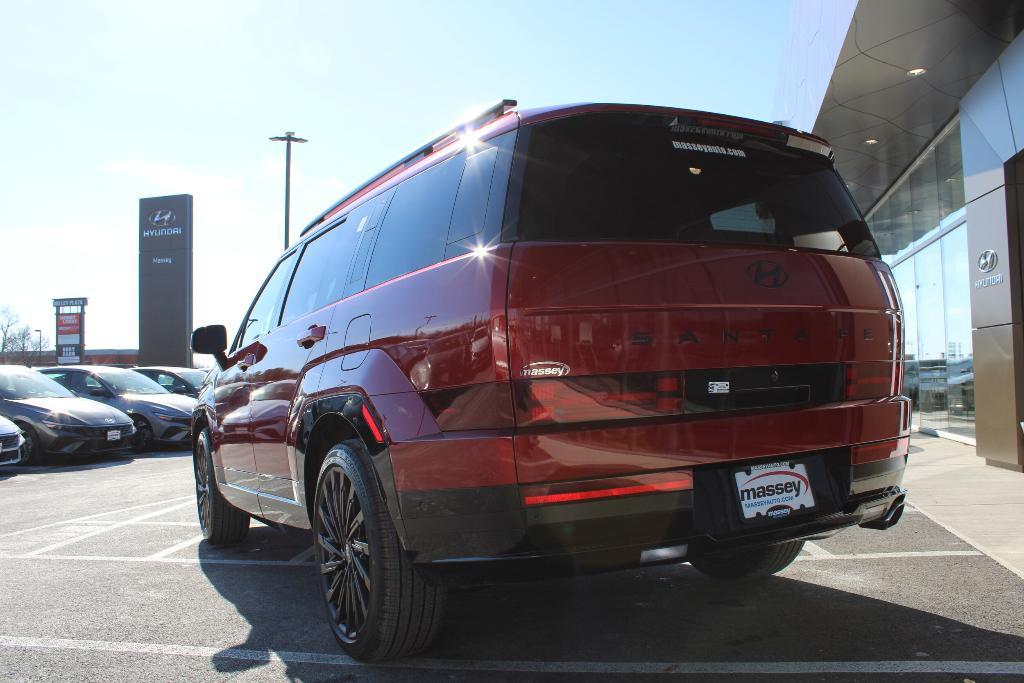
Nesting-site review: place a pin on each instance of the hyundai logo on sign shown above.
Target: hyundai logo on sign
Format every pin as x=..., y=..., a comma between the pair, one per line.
x=988, y=261
x=161, y=218
x=767, y=274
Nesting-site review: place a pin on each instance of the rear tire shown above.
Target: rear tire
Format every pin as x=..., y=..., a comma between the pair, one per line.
x=31, y=450
x=221, y=522
x=749, y=564
x=378, y=604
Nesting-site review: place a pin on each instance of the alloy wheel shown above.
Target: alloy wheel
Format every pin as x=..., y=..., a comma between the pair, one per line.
x=343, y=554
x=203, y=501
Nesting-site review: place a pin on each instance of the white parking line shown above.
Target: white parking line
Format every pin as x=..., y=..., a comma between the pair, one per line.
x=176, y=547
x=98, y=514
x=303, y=556
x=160, y=560
x=967, y=539
x=341, y=660
x=103, y=530
x=101, y=522
x=816, y=550
x=895, y=555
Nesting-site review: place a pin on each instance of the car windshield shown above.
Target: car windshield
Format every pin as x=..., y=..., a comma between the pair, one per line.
x=193, y=377
x=129, y=382
x=641, y=177
x=16, y=386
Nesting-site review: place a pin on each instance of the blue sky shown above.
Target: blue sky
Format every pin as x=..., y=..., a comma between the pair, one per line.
x=103, y=103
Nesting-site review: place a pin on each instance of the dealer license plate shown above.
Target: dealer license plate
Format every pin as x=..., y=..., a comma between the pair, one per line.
x=114, y=435
x=773, y=490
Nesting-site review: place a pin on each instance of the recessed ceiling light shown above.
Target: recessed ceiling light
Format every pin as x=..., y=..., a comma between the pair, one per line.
x=871, y=141
x=916, y=72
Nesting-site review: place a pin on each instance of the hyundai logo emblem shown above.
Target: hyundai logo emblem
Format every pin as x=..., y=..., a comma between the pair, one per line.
x=987, y=261
x=162, y=218
x=767, y=274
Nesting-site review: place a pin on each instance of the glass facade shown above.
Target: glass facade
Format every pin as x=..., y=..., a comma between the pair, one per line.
x=921, y=233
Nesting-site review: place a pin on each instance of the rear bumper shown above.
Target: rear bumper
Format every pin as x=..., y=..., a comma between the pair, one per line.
x=486, y=534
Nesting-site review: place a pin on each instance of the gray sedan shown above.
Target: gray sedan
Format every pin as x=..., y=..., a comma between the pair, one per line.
x=160, y=417
x=10, y=442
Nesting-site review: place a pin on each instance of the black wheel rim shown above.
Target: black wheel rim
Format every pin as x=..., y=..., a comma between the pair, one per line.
x=203, y=502
x=343, y=555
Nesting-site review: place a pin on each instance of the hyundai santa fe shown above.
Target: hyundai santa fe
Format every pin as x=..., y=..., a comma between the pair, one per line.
x=561, y=340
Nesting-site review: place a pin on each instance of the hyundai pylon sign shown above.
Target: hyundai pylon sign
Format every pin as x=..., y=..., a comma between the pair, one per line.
x=165, y=280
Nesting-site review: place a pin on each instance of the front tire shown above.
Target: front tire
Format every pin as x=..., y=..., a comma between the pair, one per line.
x=221, y=522
x=31, y=450
x=378, y=604
x=143, y=434
x=749, y=564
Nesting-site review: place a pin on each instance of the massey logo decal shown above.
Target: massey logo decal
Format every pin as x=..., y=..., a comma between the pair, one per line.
x=708, y=149
x=545, y=369
x=773, y=490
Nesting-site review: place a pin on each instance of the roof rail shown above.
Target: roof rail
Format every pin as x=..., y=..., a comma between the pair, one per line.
x=486, y=116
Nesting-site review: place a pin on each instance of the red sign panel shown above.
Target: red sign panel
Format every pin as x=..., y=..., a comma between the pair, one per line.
x=69, y=323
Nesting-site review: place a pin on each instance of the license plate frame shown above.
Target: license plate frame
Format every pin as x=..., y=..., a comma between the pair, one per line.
x=773, y=490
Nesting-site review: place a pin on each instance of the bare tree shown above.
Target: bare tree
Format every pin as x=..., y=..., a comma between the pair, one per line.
x=8, y=323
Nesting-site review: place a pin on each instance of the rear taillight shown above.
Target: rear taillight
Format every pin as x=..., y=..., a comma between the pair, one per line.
x=599, y=397
x=880, y=451
x=595, y=489
x=870, y=379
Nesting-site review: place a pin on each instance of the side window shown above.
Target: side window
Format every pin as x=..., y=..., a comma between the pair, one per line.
x=262, y=316
x=305, y=294
x=415, y=229
x=364, y=236
x=471, y=203
x=61, y=378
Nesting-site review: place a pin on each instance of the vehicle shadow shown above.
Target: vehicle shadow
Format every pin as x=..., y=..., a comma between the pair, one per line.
x=56, y=464
x=663, y=614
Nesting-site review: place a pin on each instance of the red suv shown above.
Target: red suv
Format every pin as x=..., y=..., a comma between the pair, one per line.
x=572, y=339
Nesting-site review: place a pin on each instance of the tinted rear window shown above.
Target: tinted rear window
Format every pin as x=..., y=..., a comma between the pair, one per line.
x=649, y=178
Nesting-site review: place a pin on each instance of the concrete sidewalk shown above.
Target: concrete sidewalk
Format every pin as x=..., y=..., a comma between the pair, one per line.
x=983, y=505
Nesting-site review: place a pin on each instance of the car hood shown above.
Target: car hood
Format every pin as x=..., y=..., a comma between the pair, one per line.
x=74, y=411
x=158, y=402
x=7, y=427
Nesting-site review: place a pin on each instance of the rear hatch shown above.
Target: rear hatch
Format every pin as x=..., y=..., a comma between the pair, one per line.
x=670, y=269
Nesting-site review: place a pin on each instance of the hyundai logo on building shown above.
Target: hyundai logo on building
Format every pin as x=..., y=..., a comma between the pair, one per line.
x=162, y=218
x=767, y=274
x=988, y=261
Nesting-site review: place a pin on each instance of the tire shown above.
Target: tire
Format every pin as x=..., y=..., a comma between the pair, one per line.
x=378, y=604
x=143, y=439
x=31, y=450
x=749, y=564
x=220, y=521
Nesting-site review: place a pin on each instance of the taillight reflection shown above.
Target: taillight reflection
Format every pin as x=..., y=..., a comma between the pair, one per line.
x=599, y=397
x=871, y=379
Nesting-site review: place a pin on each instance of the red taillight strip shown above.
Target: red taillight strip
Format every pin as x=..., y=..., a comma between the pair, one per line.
x=570, y=492
x=880, y=451
x=374, y=429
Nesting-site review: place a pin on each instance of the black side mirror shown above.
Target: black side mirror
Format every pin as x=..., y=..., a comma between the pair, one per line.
x=212, y=340
x=99, y=392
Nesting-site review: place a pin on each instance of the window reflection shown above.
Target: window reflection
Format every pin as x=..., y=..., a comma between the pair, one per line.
x=931, y=338
x=959, y=350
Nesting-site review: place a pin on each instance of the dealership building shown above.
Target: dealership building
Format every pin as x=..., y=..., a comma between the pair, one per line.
x=923, y=102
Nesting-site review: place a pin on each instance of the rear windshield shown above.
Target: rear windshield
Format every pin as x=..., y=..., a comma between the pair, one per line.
x=651, y=178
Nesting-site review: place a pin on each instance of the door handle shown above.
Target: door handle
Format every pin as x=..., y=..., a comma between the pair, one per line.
x=247, y=362
x=311, y=336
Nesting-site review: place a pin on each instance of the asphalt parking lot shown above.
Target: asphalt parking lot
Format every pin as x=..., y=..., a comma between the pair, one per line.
x=104, y=577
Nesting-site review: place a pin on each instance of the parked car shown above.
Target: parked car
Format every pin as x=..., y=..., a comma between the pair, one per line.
x=55, y=422
x=160, y=417
x=185, y=381
x=657, y=336
x=11, y=441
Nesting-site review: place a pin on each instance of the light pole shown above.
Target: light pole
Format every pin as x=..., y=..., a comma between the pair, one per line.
x=39, y=346
x=288, y=138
